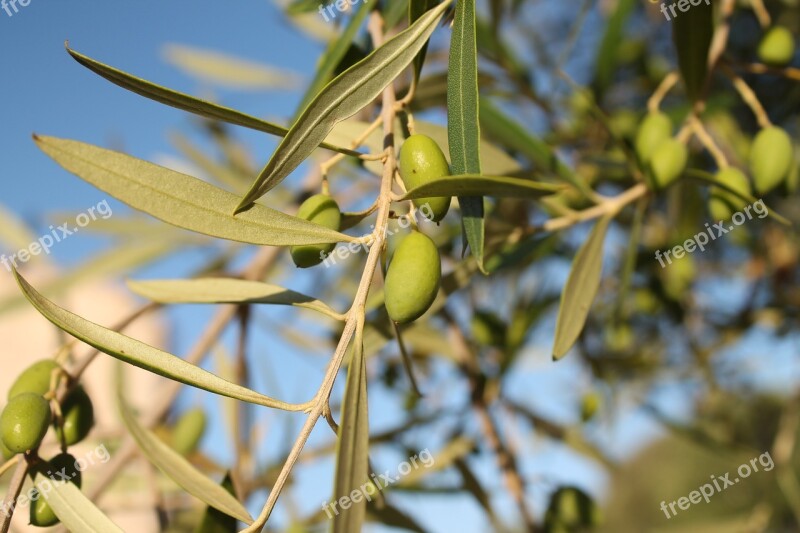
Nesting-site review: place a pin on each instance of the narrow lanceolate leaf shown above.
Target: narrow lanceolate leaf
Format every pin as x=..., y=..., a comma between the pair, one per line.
x=352, y=450
x=463, y=125
x=185, y=102
x=335, y=52
x=476, y=184
x=182, y=200
x=224, y=290
x=227, y=70
x=343, y=97
x=417, y=8
x=181, y=471
x=692, y=33
x=141, y=355
x=75, y=510
x=580, y=290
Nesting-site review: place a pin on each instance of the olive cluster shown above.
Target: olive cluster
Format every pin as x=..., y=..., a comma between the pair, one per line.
x=414, y=273
x=27, y=417
x=665, y=158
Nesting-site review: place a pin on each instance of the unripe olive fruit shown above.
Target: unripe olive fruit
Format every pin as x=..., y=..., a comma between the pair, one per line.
x=654, y=130
x=571, y=509
x=776, y=47
x=7, y=454
x=413, y=278
x=421, y=160
x=723, y=204
x=78, y=417
x=36, y=378
x=323, y=210
x=64, y=464
x=188, y=431
x=668, y=162
x=24, y=422
x=771, y=158
x=590, y=404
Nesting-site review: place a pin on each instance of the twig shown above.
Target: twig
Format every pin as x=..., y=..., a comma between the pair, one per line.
x=356, y=314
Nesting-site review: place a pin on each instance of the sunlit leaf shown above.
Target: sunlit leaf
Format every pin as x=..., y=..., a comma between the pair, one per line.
x=475, y=184
x=184, y=101
x=227, y=70
x=347, y=94
x=580, y=290
x=139, y=354
x=69, y=504
x=178, y=469
x=352, y=454
x=182, y=200
x=334, y=54
x=224, y=290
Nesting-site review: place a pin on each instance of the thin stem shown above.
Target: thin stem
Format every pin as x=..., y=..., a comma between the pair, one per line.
x=661, y=92
x=14, y=489
x=356, y=314
x=748, y=96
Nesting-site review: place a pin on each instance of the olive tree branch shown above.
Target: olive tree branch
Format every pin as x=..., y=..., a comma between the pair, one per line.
x=355, y=317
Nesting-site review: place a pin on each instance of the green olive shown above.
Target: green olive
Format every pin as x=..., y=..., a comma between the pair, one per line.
x=421, y=160
x=668, y=162
x=771, y=158
x=60, y=466
x=413, y=278
x=78, y=417
x=653, y=131
x=590, y=404
x=24, y=422
x=7, y=454
x=188, y=431
x=571, y=509
x=36, y=378
x=323, y=210
x=723, y=204
x=776, y=47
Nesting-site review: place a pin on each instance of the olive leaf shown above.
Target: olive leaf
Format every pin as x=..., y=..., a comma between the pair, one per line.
x=343, y=97
x=139, y=354
x=182, y=200
x=417, y=8
x=70, y=505
x=580, y=290
x=225, y=290
x=463, y=125
x=185, y=102
x=477, y=184
x=227, y=70
x=214, y=521
x=352, y=449
x=178, y=469
x=692, y=34
x=334, y=54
